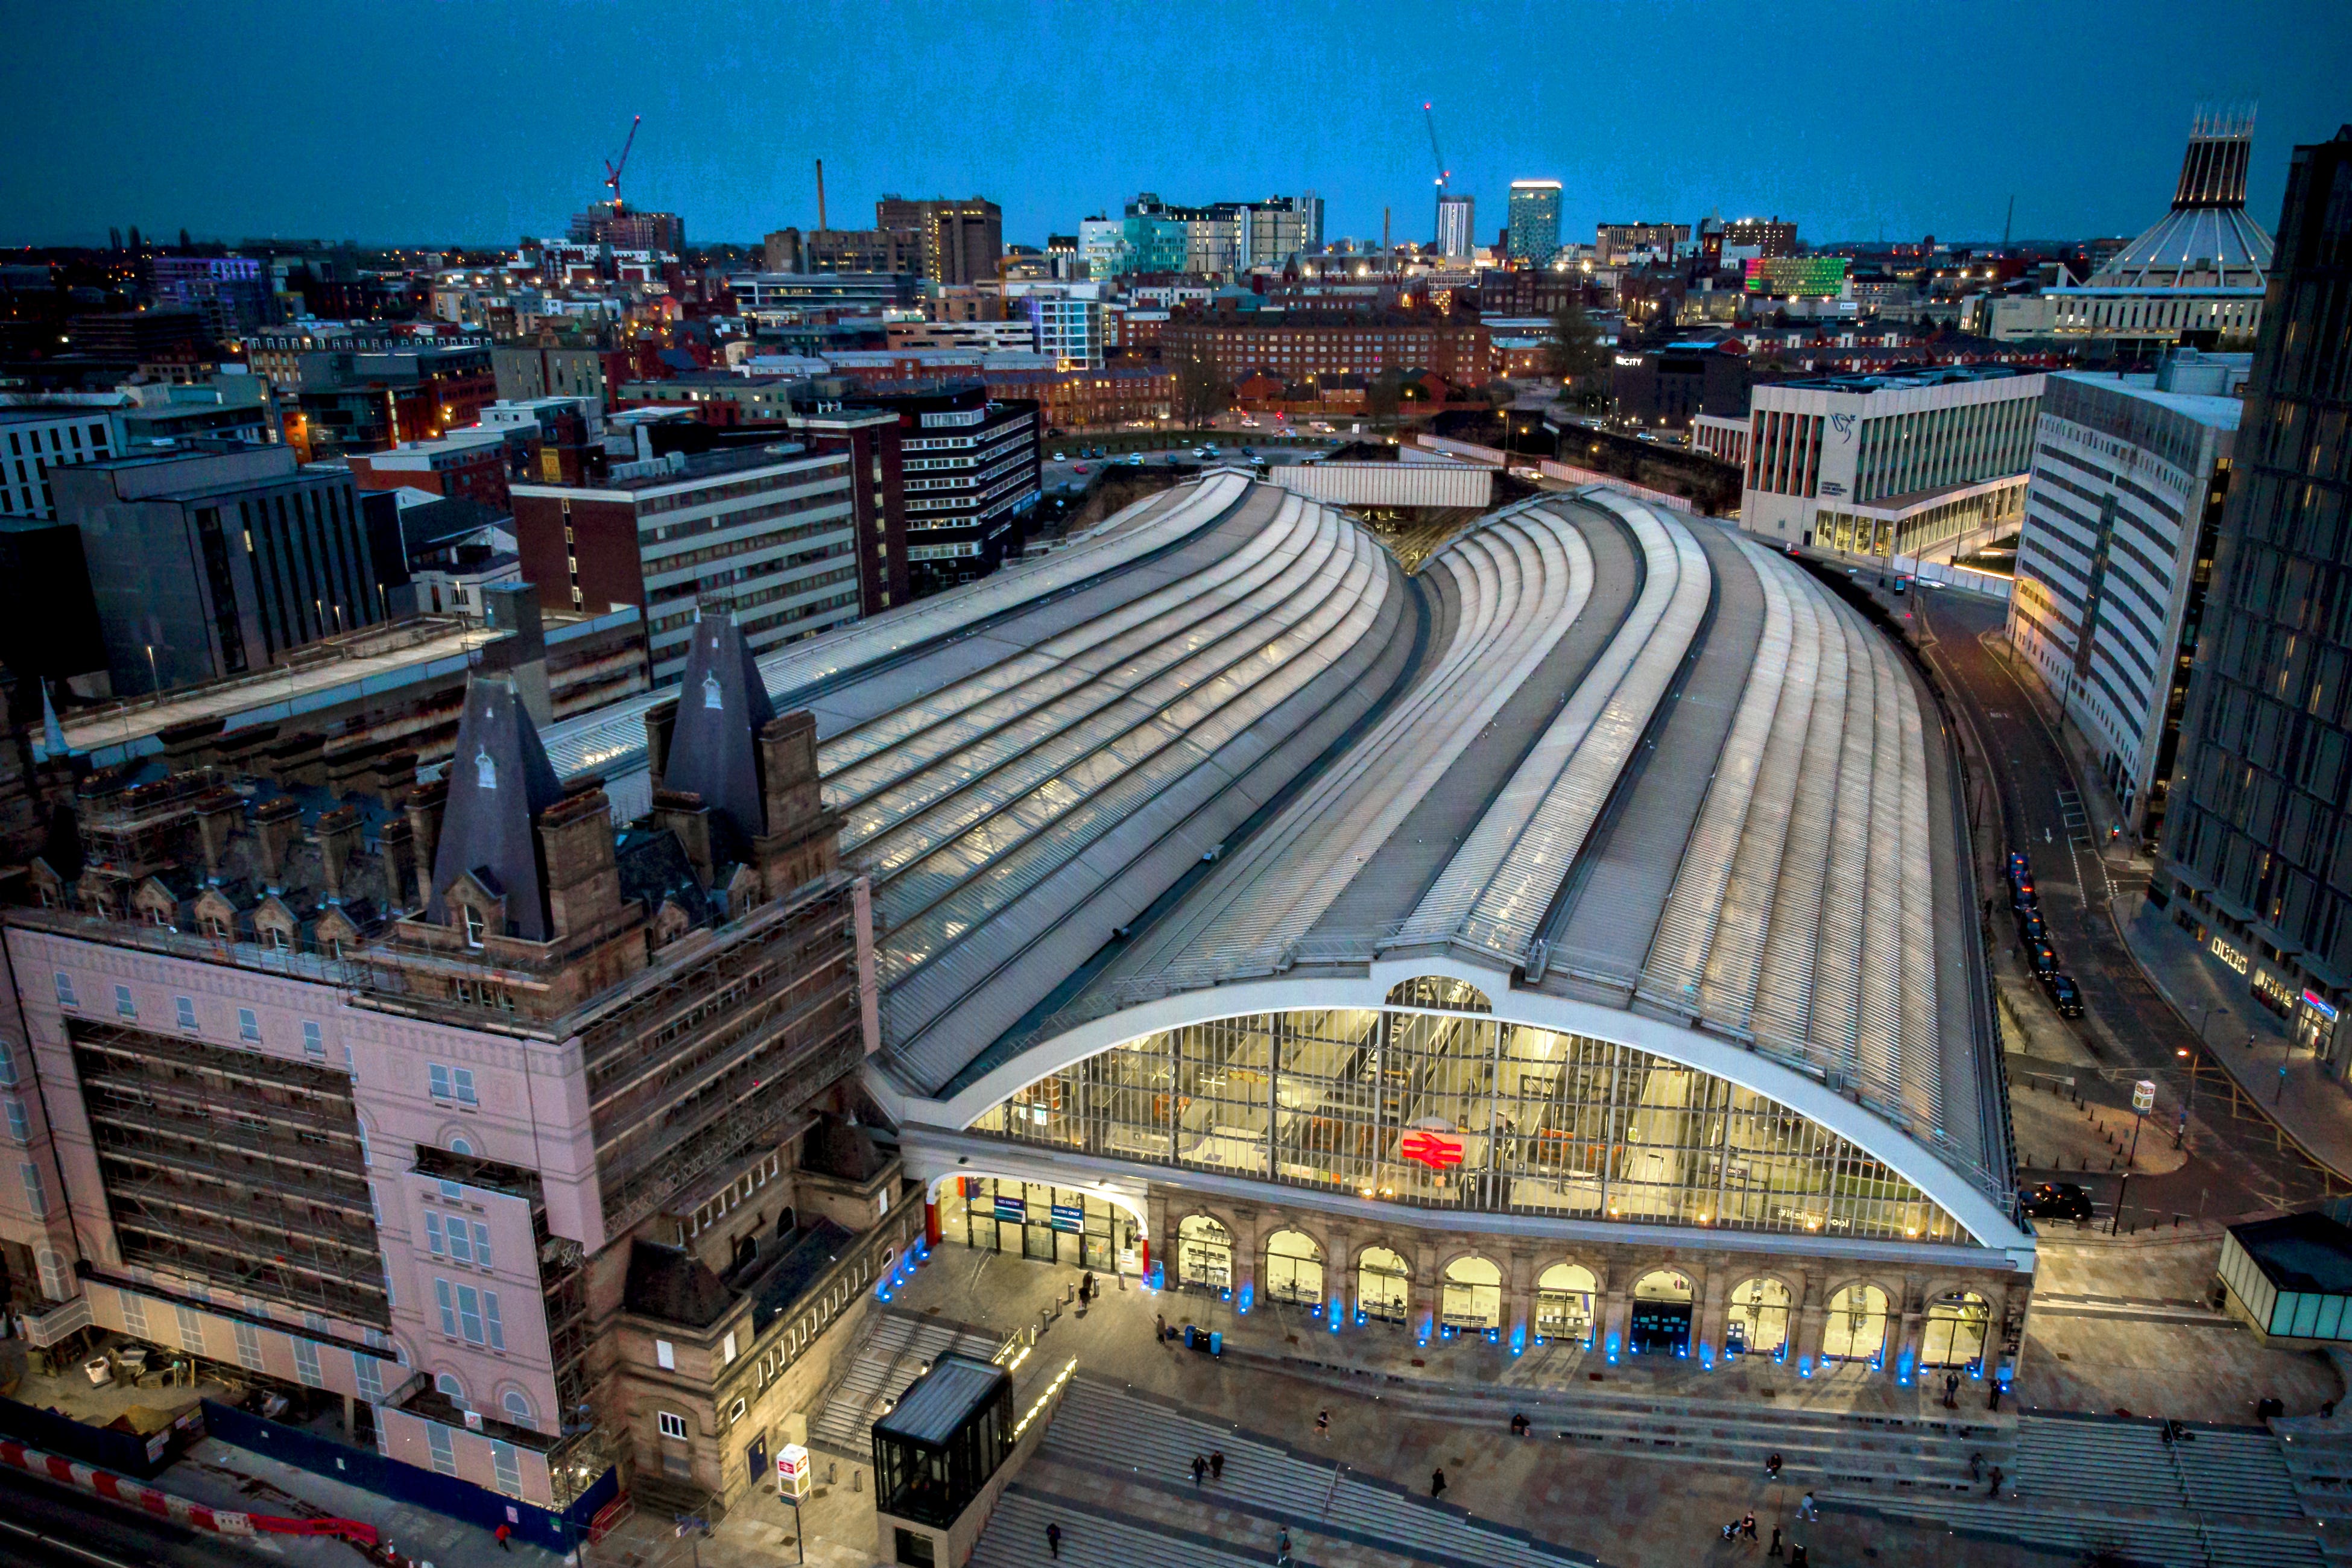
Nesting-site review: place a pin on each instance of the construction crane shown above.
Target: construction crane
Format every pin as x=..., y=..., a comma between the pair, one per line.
x=1444, y=174
x=613, y=170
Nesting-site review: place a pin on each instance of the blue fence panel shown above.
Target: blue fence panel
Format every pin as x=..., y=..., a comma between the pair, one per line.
x=108, y=1449
x=559, y=1532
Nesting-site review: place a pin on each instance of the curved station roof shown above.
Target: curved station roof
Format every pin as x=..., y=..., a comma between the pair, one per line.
x=1623, y=772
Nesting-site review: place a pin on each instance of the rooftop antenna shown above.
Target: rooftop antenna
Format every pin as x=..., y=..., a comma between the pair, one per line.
x=613, y=170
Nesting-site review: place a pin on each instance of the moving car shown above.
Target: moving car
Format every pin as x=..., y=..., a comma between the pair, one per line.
x=2055, y=1200
x=2029, y=923
x=2065, y=994
x=2043, y=958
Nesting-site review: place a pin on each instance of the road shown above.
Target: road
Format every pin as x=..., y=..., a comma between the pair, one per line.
x=46, y=1526
x=2237, y=1160
x=1060, y=478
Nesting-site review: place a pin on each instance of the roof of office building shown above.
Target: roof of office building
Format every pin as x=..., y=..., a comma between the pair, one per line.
x=1591, y=752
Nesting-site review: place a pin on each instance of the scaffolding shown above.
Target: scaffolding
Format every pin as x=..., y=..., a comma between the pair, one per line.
x=229, y=1166
x=699, y=1064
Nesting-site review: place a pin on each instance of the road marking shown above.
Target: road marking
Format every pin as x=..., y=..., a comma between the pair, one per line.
x=34, y=1535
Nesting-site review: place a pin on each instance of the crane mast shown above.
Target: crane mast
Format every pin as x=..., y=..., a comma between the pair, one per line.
x=613, y=170
x=1429, y=118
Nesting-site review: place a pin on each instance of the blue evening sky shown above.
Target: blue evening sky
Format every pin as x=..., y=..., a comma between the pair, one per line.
x=387, y=121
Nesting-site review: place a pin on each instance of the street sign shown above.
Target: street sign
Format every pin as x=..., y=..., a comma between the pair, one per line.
x=793, y=1473
x=2144, y=1096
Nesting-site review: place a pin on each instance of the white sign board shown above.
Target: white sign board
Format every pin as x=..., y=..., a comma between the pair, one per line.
x=2144, y=1096
x=793, y=1473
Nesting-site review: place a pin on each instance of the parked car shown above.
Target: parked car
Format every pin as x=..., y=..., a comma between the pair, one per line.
x=2021, y=869
x=2030, y=923
x=2020, y=902
x=1078, y=468
x=2055, y=1200
x=2065, y=994
x=1202, y=453
x=2042, y=957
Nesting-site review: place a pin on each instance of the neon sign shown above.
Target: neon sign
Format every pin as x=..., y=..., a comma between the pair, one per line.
x=1431, y=1150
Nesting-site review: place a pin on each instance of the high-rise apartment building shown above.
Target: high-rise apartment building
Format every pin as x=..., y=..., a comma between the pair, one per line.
x=1534, y=230
x=2257, y=855
x=1457, y=225
x=2129, y=476
x=627, y=228
x=959, y=241
x=1765, y=236
x=1616, y=243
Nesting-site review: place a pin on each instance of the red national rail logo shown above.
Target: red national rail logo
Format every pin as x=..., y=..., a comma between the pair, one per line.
x=1431, y=1150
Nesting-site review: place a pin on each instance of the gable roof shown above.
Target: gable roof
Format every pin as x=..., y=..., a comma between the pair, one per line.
x=722, y=706
x=500, y=782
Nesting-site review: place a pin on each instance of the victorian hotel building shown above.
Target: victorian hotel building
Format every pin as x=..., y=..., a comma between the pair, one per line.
x=1570, y=940
x=500, y=1134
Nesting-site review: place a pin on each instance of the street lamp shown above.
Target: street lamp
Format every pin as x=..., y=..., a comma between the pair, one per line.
x=2143, y=1101
x=2190, y=1104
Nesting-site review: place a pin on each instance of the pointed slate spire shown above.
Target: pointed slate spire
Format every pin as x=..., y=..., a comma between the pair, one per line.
x=53, y=735
x=499, y=780
x=722, y=706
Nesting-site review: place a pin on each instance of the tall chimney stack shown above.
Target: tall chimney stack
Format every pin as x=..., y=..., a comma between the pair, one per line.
x=821, y=223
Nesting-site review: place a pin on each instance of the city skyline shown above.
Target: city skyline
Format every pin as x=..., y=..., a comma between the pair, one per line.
x=731, y=134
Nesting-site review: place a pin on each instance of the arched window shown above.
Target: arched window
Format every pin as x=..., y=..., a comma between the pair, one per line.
x=1758, y=1324
x=1564, y=1302
x=1204, y=1253
x=517, y=1404
x=1473, y=1295
x=1856, y=1330
x=460, y=1146
x=1383, y=1285
x=1955, y=1334
x=1293, y=1268
x=451, y=1388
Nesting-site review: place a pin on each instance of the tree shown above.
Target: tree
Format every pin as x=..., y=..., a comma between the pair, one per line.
x=1575, y=356
x=1201, y=391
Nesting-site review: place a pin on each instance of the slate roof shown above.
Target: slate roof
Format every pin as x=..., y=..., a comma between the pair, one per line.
x=498, y=781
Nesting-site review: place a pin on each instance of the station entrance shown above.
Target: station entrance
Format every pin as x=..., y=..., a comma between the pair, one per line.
x=1045, y=1224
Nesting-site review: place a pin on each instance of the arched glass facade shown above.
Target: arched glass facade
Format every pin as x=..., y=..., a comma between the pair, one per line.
x=1459, y=1111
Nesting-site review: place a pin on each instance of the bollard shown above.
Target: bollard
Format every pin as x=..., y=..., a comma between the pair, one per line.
x=832, y=1472
x=856, y=1479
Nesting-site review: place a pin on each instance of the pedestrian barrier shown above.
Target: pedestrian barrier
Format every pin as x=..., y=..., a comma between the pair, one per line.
x=164, y=1505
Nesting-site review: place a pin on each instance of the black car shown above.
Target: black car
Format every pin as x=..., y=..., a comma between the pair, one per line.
x=2020, y=868
x=2042, y=957
x=2055, y=1200
x=2065, y=994
x=2031, y=924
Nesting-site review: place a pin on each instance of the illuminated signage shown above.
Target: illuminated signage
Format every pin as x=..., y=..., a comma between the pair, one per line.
x=793, y=1473
x=1431, y=1150
x=1795, y=276
x=1629, y=359
x=2229, y=956
x=2318, y=1006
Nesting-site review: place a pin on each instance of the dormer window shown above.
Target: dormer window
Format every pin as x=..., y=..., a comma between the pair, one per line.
x=710, y=692
x=485, y=772
x=473, y=925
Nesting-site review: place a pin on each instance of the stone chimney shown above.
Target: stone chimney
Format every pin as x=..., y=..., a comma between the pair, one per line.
x=424, y=806
x=661, y=721
x=219, y=812
x=275, y=824
x=803, y=839
x=584, y=885
x=397, y=842
x=338, y=842
x=682, y=813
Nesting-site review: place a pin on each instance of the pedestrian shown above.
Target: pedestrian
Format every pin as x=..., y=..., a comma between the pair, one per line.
x=1774, y=1550
x=1216, y=1464
x=1200, y=1468
x=1976, y=1466
x=499, y=1535
x=1437, y=1483
x=1951, y=1391
x=1054, y=1539
x=1323, y=1424
x=1747, y=1525
x=1807, y=1508
x=1087, y=1287
x=1798, y=1557
x=1161, y=1318
x=1282, y=1549
x=1772, y=1467
x=1994, y=1403
x=1996, y=1482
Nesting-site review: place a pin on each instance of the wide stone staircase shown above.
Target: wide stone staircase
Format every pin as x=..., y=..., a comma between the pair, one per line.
x=2218, y=1497
x=1817, y=1448
x=896, y=1349
x=1114, y=1473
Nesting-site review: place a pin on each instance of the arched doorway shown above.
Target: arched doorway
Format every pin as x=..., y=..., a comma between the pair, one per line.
x=1856, y=1330
x=1955, y=1333
x=1662, y=1313
x=1564, y=1302
x=1473, y=1295
x=1204, y=1253
x=1383, y=1285
x=1759, y=1322
x=1293, y=1268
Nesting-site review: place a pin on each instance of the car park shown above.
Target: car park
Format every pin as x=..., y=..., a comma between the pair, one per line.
x=2055, y=1200
x=2065, y=994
